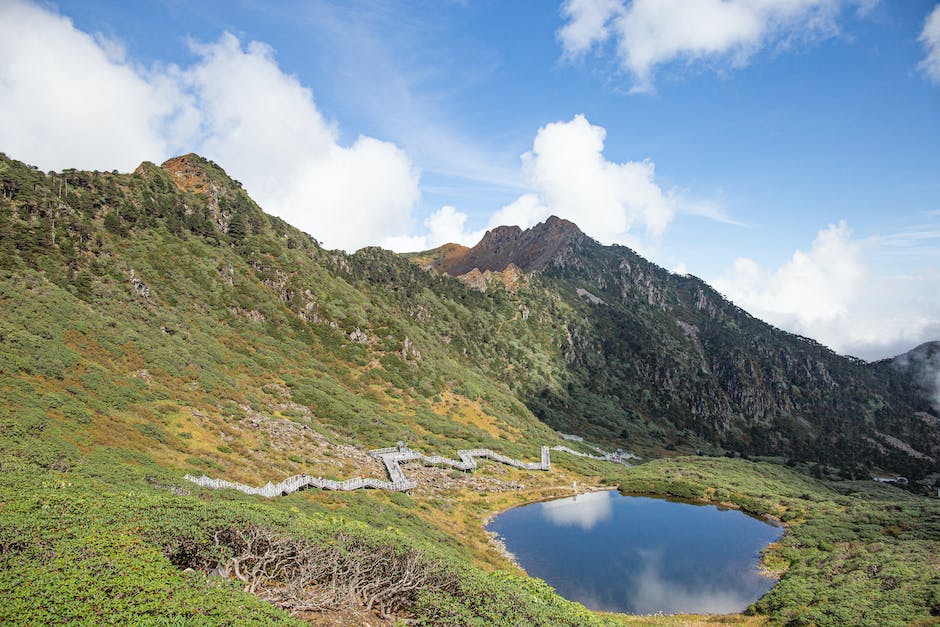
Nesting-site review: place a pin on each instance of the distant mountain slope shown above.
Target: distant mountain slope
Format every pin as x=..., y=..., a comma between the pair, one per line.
x=650, y=354
x=922, y=365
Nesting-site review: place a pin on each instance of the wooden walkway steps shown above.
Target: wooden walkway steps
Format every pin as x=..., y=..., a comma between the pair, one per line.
x=392, y=458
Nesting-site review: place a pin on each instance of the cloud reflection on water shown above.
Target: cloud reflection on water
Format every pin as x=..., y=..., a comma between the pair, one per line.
x=650, y=590
x=584, y=510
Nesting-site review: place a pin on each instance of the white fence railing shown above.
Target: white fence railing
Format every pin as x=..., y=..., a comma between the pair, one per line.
x=392, y=458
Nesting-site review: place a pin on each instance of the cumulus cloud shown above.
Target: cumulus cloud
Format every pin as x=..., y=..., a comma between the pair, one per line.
x=447, y=225
x=69, y=99
x=525, y=211
x=571, y=178
x=568, y=169
x=649, y=33
x=680, y=269
x=265, y=127
x=834, y=294
x=930, y=40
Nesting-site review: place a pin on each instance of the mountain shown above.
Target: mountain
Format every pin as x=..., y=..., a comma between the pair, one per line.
x=531, y=250
x=554, y=329
x=168, y=292
x=654, y=356
x=159, y=323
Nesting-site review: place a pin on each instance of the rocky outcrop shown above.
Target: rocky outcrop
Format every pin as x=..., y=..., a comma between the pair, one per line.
x=531, y=250
x=140, y=288
x=510, y=277
x=190, y=174
x=591, y=298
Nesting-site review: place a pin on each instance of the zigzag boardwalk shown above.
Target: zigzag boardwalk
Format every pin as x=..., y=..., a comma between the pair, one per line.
x=393, y=458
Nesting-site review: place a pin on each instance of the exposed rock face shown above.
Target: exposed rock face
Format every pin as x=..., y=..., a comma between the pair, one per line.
x=588, y=296
x=139, y=286
x=510, y=277
x=358, y=336
x=532, y=250
x=190, y=174
x=251, y=314
x=474, y=280
x=444, y=256
x=409, y=351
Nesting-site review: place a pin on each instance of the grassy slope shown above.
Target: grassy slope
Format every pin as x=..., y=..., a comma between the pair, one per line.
x=237, y=361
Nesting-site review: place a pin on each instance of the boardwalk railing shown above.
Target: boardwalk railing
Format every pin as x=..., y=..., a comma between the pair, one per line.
x=617, y=457
x=298, y=482
x=393, y=458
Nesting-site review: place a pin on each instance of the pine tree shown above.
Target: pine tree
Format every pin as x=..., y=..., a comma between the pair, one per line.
x=236, y=228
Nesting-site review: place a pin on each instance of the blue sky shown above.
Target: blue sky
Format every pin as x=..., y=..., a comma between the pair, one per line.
x=786, y=151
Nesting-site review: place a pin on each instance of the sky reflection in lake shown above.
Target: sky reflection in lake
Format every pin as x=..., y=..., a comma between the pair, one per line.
x=640, y=555
x=582, y=511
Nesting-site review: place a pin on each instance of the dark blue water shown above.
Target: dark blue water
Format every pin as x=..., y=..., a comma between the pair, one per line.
x=641, y=555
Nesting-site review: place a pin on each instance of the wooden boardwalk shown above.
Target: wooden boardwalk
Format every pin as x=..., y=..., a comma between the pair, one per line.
x=393, y=458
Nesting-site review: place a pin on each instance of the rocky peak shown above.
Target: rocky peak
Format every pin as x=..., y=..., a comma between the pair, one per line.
x=557, y=227
x=531, y=250
x=189, y=173
x=197, y=175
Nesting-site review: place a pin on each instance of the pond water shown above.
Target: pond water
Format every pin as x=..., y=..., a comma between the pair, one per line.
x=641, y=555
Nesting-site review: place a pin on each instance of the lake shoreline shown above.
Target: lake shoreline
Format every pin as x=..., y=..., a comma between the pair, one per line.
x=536, y=538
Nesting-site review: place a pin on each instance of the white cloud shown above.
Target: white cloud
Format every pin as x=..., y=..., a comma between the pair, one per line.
x=447, y=225
x=680, y=269
x=834, y=294
x=930, y=39
x=525, y=211
x=588, y=23
x=68, y=99
x=573, y=179
x=264, y=126
x=652, y=590
x=649, y=33
x=444, y=226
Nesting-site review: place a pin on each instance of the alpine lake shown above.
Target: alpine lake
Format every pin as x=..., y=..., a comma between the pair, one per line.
x=641, y=555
